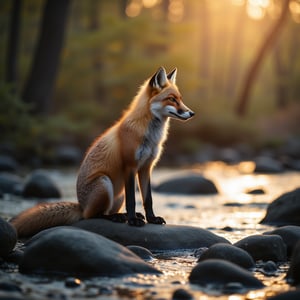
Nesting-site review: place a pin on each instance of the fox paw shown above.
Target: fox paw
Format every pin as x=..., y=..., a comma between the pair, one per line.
x=117, y=218
x=138, y=222
x=156, y=220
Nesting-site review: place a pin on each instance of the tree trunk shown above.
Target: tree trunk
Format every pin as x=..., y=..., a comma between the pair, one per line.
x=11, y=75
x=40, y=84
x=251, y=75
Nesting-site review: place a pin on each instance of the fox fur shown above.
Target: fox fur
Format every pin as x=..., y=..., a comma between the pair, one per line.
x=127, y=150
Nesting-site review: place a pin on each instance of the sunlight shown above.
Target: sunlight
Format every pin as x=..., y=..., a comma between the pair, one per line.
x=176, y=11
x=295, y=10
x=150, y=3
x=134, y=8
x=256, y=9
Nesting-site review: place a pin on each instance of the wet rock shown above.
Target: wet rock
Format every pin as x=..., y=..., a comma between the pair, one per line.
x=230, y=253
x=68, y=155
x=266, y=164
x=8, y=163
x=10, y=183
x=290, y=295
x=141, y=252
x=264, y=247
x=40, y=185
x=189, y=185
x=7, y=286
x=268, y=268
x=71, y=282
x=181, y=294
x=73, y=251
x=290, y=235
x=257, y=191
x=285, y=210
x=8, y=238
x=220, y=273
x=293, y=274
x=152, y=236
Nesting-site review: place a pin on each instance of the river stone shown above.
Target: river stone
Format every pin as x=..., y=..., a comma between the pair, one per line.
x=230, y=253
x=191, y=184
x=152, y=236
x=264, y=247
x=290, y=295
x=10, y=183
x=285, y=210
x=72, y=251
x=141, y=252
x=8, y=238
x=290, y=235
x=220, y=272
x=266, y=164
x=40, y=185
x=293, y=274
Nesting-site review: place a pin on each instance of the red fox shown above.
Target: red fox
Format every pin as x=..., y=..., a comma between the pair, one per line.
x=131, y=147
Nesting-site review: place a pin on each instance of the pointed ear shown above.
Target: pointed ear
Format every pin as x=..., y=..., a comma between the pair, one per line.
x=172, y=76
x=159, y=79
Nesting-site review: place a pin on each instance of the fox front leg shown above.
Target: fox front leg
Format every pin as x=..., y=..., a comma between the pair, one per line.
x=145, y=187
x=133, y=219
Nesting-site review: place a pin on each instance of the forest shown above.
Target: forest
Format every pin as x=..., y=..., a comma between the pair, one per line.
x=68, y=68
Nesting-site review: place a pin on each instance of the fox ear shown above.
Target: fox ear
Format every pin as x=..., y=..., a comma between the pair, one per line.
x=159, y=79
x=172, y=76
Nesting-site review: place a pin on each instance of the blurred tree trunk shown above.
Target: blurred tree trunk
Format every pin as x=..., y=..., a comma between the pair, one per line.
x=281, y=78
x=205, y=45
x=11, y=75
x=94, y=15
x=235, y=57
x=243, y=97
x=123, y=5
x=40, y=83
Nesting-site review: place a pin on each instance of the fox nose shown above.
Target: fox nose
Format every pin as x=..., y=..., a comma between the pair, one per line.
x=191, y=113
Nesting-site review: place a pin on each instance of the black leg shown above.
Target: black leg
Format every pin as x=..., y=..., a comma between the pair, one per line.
x=133, y=220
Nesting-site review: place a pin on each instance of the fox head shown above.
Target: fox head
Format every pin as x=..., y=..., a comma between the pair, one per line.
x=165, y=98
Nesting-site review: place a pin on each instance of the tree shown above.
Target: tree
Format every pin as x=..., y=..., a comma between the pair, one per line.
x=13, y=44
x=39, y=86
x=243, y=97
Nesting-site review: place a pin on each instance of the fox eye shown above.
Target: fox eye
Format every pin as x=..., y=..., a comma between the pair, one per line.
x=172, y=99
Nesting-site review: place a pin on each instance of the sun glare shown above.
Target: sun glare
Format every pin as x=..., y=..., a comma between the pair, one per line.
x=256, y=9
x=295, y=10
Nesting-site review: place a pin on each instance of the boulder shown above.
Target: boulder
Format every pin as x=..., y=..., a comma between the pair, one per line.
x=264, y=247
x=67, y=155
x=290, y=295
x=72, y=251
x=8, y=238
x=152, y=236
x=230, y=253
x=191, y=184
x=219, y=273
x=40, y=185
x=285, y=210
x=290, y=235
x=8, y=163
x=293, y=274
x=266, y=164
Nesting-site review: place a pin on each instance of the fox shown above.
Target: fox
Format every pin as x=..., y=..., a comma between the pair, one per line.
x=126, y=151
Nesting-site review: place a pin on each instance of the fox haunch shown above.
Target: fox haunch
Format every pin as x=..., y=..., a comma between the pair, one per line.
x=127, y=150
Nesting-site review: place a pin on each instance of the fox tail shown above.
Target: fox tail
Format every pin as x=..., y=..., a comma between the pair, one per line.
x=46, y=215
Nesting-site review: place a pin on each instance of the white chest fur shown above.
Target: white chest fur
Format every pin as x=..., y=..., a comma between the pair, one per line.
x=149, y=148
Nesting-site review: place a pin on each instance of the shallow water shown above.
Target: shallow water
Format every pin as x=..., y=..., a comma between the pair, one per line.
x=232, y=213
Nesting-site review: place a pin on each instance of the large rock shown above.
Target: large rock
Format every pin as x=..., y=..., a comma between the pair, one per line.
x=264, y=247
x=190, y=184
x=77, y=252
x=8, y=238
x=152, y=236
x=266, y=164
x=10, y=183
x=230, y=253
x=293, y=274
x=40, y=185
x=285, y=210
x=290, y=235
x=219, y=273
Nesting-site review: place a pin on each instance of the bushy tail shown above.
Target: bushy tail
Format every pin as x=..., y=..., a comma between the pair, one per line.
x=46, y=215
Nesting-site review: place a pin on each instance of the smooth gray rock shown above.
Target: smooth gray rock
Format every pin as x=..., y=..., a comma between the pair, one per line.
x=190, y=184
x=72, y=251
x=8, y=238
x=219, y=272
x=285, y=210
x=266, y=164
x=264, y=247
x=152, y=236
x=293, y=274
x=290, y=235
x=230, y=253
